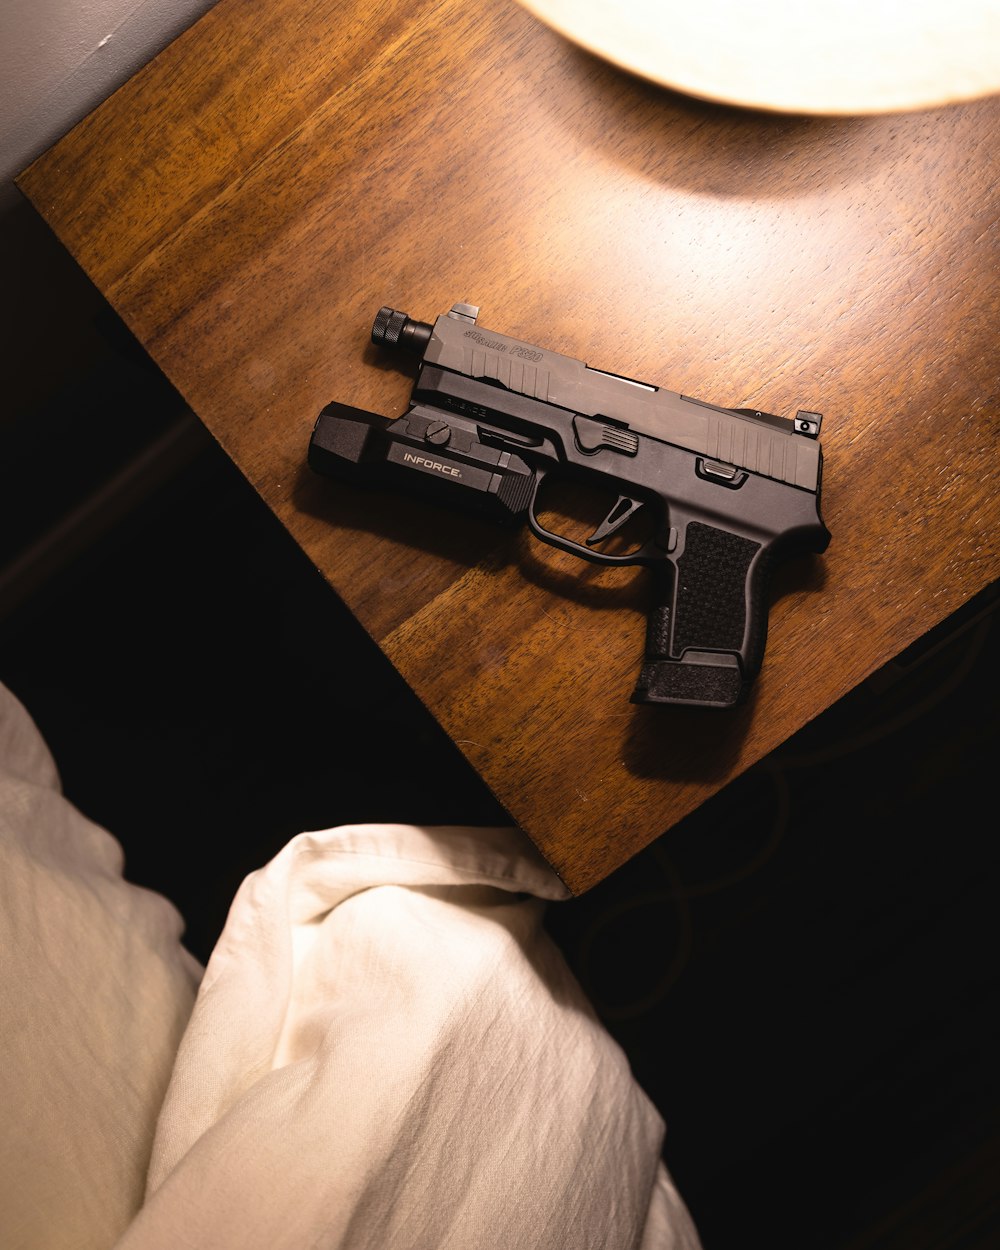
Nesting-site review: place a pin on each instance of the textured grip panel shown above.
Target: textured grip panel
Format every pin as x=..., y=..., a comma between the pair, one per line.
x=699, y=648
x=710, y=612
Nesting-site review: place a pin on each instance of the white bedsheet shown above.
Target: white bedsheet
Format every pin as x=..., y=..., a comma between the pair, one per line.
x=386, y=1050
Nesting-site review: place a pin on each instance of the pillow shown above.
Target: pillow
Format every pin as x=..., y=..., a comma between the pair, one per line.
x=95, y=991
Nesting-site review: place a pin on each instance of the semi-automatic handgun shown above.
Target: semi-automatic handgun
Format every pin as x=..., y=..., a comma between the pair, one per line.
x=726, y=492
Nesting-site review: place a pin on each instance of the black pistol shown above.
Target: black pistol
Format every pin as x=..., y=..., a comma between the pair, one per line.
x=726, y=492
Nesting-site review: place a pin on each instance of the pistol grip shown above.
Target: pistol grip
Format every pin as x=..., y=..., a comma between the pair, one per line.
x=708, y=623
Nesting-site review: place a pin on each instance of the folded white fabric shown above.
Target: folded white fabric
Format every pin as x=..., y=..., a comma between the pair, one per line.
x=386, y=1050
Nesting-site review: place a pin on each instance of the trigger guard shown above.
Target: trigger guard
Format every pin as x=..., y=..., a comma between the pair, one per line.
x=642, y=556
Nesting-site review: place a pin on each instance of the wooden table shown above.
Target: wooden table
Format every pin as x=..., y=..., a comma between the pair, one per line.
x=251, y=198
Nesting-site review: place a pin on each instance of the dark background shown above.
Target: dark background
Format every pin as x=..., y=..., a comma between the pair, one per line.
x=802, y=972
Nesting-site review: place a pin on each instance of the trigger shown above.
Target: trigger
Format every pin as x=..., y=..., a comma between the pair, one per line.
x=616, y=518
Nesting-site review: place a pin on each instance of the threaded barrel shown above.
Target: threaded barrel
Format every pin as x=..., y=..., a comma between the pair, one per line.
x=395, y=329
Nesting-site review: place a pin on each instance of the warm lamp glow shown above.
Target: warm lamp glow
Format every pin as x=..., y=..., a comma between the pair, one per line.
x=841, y=57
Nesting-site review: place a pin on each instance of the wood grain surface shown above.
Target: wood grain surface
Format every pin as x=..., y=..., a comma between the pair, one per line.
x=251, y=198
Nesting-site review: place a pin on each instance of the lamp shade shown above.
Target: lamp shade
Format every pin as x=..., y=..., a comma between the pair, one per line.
x=839, y=57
